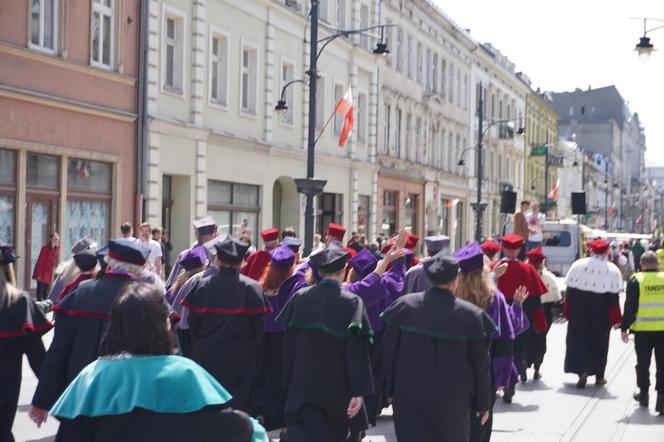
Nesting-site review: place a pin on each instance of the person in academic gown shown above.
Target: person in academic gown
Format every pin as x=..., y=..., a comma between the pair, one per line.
x=490, y=249
x=193, y=262
x=516, y=274
x=591, y=307
x=258, y=261
x=226, y=322
x=325, y=354
x=86, y=261
x=138, y=391
x=537, y=345
x=436, y=359
x=416, y=277
x=206, y=230
x=81, y=319
x=475, y=285
x=68, y=271
x=22, y=325
x=270, y=393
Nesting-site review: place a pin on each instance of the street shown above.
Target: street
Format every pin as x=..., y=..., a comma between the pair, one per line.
x=549, y=410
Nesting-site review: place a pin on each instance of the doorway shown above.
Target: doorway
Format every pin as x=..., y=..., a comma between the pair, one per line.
x=42, y=221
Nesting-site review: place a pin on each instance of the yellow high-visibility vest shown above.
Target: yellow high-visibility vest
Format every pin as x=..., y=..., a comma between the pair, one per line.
x=650, y=316
x=660, y=254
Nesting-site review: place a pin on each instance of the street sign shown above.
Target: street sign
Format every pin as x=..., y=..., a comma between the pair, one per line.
x=556, y=161
x=538, y=150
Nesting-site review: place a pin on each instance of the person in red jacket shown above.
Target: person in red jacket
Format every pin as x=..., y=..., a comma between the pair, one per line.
x=258, y=261
x=43, y=272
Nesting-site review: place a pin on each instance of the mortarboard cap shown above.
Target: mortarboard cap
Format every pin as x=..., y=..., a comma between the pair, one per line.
x=441, y=268
x=7, y=255
x=231, y=250
x=336, y=231
x=101, y=254
x=205, y=225
x=535, y=256
x=470, y=257
x=282, y=257
x=598, y=246
x=270, y=235
x=82, y=244
x=412, y=241
x=490, y=248
x=128, y=251
x=331, y=259
x=86, y=260
x=193, y=258
x=292, y=243
x=436, y=243
x=364, y=263
x=512, y=241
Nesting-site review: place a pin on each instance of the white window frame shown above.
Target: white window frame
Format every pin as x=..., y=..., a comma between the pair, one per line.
x=364, y=37
x=216, y=32
x=290, y=102
x=56, y=22
x=337, y=119
x=399, y=51
x=341, y=14
x=387, y=109
x=410, y=56
x=397, y=132
x=103, y=10
x=362, y=117
x=324, y=11
x=419, y=63
x=253, y=46
x=169, y=11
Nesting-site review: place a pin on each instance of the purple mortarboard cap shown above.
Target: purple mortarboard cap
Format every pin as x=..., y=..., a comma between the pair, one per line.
x=363, y=263
x=292, y=242
x=282, y=257
x=193, y=258
x=470, y=257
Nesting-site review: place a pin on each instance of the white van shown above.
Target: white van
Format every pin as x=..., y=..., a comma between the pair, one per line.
x=563, y=243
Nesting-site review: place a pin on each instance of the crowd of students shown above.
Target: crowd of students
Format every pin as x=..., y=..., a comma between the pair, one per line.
x=238, y=343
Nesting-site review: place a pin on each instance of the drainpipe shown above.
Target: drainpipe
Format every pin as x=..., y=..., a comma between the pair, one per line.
x=142, y=132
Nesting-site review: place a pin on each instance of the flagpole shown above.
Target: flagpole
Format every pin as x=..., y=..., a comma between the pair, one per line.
x=320, y=134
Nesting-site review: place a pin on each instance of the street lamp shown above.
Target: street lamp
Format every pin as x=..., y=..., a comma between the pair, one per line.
x=310, y=186
x=644, y=48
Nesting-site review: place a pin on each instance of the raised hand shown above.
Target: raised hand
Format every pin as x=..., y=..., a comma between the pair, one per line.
x=521, y=294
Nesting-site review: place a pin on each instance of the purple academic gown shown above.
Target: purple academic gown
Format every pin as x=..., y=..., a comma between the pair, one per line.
x=511, y=321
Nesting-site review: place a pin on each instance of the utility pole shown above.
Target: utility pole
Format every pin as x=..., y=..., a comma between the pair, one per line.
x=479, y=206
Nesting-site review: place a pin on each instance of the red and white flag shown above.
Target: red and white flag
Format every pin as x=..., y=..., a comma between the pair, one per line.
x=451, y=203
x=345, y=108
x=553, y=195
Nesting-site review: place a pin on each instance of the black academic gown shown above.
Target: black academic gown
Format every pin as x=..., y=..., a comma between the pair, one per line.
x=80, y=322
x=326, y=361
x=22, y=325
x=225, y=324
x=207, y=425
x=437, y=365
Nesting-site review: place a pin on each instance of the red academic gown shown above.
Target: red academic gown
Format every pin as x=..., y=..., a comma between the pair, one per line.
x=256, y=264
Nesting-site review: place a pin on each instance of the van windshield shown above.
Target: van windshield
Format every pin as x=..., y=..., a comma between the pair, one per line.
x=557, y=239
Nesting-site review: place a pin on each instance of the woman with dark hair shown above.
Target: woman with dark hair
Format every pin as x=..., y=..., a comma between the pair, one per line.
x=475, y=285
x=270, y=393
x=22, y=325
x=139, y=391
x=45, y=265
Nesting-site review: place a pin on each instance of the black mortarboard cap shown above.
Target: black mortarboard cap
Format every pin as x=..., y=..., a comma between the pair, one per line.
x=331, y=259
x=128, y=251
x=86, y=260
x=441, y=268
x=82, y=244
x=231, y=250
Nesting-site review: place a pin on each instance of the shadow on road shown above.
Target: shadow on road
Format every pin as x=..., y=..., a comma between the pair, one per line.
x=589, y=391
x=642, y=416
x=514, y=407
x=533, y=386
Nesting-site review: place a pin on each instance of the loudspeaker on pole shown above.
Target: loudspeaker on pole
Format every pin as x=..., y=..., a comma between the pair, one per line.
x=507, y=202
x=579, y=203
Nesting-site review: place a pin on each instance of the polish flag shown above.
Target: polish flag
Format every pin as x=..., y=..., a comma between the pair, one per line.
x=452, y=203
x=553, y=195
x=638, y=220
x=345, y=108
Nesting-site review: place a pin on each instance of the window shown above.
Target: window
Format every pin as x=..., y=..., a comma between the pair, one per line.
x=399, y=52
x=451, y=157
x=409, y=55
x=338, y=118
x=43, y=172
x=459, y=223
x=323, y=13
x=465, y=98
x=167, y=202
x=88, y=203
x=234, y=206
x=102, y=33
x=419, y=146
x=444, y=221
x=409, y=137
x=44, y=24
x=397, y=134
x=434, y=74
x=219, y=69
x=341, y=14
x=330, y=210
x=287, y=74
x=173, y=52
x=388, y=40
x=364, y=23
x=458, y=86
x=386, y=128
x=557, y=239
x=443, y=79
x=420, y=66
x=361, y=118
x=7, y=195
x=583, y=110
x=429, y=76
x=411, y=204
x=450, y=88
x=431, y=151
x=441, y=163
x=320, y=102
x=364, y=215
x=389, y=225
x=571, y=111
x=457, y=154
x=248, y=79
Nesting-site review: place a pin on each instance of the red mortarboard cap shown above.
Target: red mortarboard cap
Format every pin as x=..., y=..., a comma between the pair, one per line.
x=336, y=231
x=271, y=234
x=535, y=256
x=512, y=241
x=412, y=241
x=599, y=246
x=490, y=248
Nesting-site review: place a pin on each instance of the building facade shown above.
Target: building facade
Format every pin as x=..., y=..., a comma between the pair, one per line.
x=68, y=122
x=217, y=146
x=424, y=132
